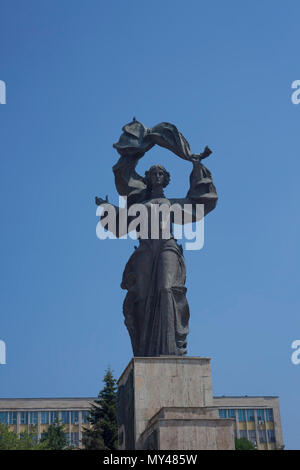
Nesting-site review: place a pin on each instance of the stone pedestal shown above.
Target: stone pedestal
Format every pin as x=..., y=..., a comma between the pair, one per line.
x=166, y=403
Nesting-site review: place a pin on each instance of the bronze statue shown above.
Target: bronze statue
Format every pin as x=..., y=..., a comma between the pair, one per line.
x=155, y=308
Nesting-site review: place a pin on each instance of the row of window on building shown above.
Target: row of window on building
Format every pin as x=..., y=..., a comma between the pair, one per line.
x=264, y=436
x=47, y=417
x=265, y=414
x=72, y=438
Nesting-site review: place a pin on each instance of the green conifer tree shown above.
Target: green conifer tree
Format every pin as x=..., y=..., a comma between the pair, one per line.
x=103, y=431
x=243, y=444
x=55, y=437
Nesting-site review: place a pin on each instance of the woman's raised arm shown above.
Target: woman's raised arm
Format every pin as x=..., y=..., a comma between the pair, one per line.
x=128, y=182
x=202, y=191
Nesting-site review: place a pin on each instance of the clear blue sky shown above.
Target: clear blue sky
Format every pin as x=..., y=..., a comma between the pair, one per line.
x=75, y=73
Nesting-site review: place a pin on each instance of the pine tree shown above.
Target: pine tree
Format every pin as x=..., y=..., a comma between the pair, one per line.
x=243, y=444
x=103, y=431
x=55, y=437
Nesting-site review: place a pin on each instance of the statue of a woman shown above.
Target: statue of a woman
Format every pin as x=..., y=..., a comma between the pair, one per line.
x=155, y=307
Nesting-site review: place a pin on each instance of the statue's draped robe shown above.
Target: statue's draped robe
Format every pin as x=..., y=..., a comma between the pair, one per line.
x=155, y=308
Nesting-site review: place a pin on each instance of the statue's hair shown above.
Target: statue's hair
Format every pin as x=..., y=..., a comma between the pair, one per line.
x=147, y=178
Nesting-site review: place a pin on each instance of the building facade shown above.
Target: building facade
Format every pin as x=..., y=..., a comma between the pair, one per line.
x=255, y=418
x=36, y=414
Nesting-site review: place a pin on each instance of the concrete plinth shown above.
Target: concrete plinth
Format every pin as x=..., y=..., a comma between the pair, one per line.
x=166, y=403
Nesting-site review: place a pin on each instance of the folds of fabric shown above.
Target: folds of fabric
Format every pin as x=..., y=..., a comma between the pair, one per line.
x=155, y=308
x=137, y=139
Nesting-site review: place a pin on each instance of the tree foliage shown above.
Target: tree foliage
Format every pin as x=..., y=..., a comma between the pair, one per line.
x=103, y=430
x=54, y=438
x=243, y=444
x=9, y=440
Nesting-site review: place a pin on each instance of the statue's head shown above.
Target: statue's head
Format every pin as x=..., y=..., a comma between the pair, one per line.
x=157, y=175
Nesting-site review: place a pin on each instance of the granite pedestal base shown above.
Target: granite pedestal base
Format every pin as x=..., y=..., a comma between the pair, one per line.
x=166, y=403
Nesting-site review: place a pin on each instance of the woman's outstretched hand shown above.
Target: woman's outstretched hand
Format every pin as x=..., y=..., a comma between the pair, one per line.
x=99, y=201
x=197, y=157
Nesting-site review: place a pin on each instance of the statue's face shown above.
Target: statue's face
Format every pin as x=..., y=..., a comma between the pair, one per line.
x=157, y=177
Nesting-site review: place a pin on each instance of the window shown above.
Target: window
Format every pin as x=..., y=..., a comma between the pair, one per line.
x=260, y=415
x=75, y=439
x=67, y=436
x=24, y=417
x=65, y=417
x=12, y=417
x=269, y=415
x=222, y=413
x=33, y=417
x=252, y=437
x=3, y=417
x=241, y=415
x=53, y=416
x=243, y=434
x=74, y=417
x=85, y=415
x=262, y=435
x=271, y=435
x=45, y=417
x=231, y=413
x=250, y=415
